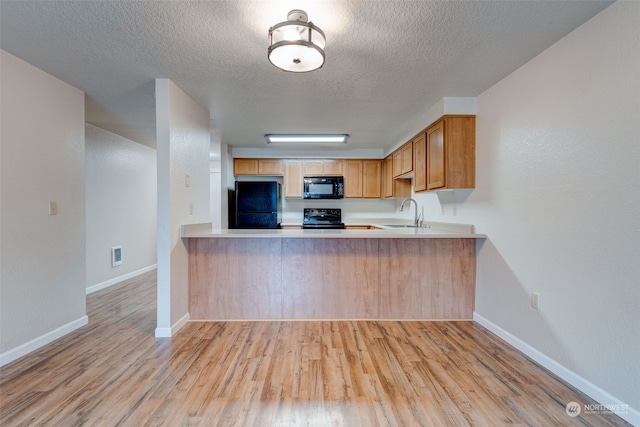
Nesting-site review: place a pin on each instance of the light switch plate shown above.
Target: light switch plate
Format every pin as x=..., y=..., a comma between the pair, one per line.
x=53, y=208
x=534, y=300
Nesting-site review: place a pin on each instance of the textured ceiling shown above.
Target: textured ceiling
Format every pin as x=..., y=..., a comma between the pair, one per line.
x=387, y=61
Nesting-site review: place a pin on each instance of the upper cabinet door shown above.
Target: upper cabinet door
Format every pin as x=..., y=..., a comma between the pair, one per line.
x=372, y=178
x=460, y=151
x=313, y=167
x=253, y=167
x=321, y=167
x=420, y=162
x=363, y=178
x=397, y=163
x=407, y=158
x=333, y=167
x=270, y=167
x=403, y=160
x=293, y=179
x=451, y=149
x=353, y=178
x=387, y=177
x=245, y=167
x=435, y=157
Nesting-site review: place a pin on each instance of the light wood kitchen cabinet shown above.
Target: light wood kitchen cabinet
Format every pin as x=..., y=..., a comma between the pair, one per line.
x=313, y=167
x=333, y=167
x=407, y=158
x=435, y=156
x=321, y=167
x=397, y=163
x=372, y=179
x=272, y=167
x=362, y=178
x=387, y=177
x=403, y=160
x=401, y=187
x=451, y=147
x=420, y=163
x=245, y=167
x=352, y=178
x=293, y=179
x=268, y=167
x=391, y=186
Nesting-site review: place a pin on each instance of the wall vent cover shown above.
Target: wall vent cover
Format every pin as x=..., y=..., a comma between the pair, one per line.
x=116, y=256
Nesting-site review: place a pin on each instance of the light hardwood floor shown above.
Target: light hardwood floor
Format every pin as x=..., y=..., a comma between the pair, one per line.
x=278, y=373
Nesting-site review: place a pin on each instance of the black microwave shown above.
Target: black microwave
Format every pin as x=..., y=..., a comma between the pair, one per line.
x=323, y=187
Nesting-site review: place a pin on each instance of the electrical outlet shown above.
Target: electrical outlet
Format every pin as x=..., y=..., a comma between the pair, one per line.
x=53, y=208
x=534, y=300
x=190, y=208
x=187, y=181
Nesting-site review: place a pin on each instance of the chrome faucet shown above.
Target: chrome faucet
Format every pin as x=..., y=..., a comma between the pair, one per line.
x=417, y=217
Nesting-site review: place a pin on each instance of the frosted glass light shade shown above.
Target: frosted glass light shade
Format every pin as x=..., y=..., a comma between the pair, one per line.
x=296, y=45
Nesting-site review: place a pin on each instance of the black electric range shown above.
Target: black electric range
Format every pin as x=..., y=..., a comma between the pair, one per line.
x=322, y=218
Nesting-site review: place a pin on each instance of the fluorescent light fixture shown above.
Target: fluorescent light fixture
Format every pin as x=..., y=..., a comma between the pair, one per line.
x=273, y=138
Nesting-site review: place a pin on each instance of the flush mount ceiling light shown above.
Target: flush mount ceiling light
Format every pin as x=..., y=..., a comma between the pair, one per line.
x=273, y=138
x=296, y=45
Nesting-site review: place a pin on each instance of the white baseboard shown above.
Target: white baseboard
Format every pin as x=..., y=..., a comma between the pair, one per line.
x=119, y=279
x=631, y=415
x=26, y=348
x=169, y=332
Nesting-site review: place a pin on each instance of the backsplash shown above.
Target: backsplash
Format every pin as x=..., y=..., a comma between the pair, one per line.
x=442, y=206
x=351, y=208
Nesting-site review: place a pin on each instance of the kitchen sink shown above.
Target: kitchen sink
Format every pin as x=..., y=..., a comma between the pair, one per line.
x=399, y=226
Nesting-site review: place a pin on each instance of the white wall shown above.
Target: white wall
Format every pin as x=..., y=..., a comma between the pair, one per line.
x=215, y=184
x=183, y=145
x=121, y=206
x=558, y=194
x=42, y=288
x=351, y=208
x=227, y=181
x=447, y=105
x=215, y=179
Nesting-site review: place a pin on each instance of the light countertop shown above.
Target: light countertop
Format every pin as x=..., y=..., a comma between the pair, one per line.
x=383, y=230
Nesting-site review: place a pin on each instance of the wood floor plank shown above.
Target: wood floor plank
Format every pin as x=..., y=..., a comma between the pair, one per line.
x=114, y=372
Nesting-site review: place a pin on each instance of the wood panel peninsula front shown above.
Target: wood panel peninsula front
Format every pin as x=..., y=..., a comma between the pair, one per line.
x=421, y=274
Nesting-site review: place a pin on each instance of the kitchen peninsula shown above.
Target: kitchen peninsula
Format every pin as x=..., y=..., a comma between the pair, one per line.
x=382, y=273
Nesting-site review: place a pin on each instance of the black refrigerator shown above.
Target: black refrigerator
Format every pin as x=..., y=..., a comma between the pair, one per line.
x=258, y=204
